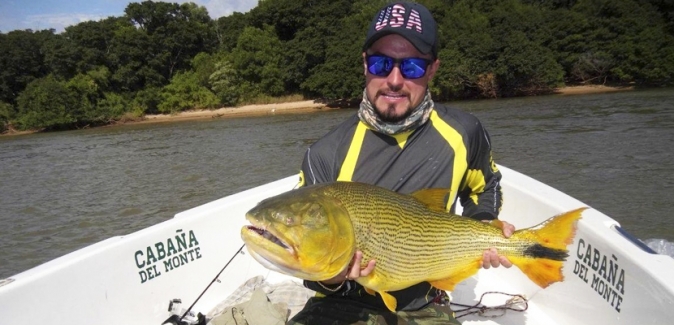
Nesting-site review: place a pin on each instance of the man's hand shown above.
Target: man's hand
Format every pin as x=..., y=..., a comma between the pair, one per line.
x=353, y=271
x=490, y=258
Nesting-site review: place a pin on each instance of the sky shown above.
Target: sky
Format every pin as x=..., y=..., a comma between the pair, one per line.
x=58, y=14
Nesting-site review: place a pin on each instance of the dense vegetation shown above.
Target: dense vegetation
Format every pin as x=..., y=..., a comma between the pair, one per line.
x=165, y=57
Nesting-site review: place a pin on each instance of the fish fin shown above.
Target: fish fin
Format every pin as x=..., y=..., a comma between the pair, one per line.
x=541, y=271
x=457, y=276
x=434, y=198
x=389, y=300
x=542, y=261
x=558, y=231
x=370, y=291
x=444, y=284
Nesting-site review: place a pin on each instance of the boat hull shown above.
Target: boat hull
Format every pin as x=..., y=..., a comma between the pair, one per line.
x=131, y=279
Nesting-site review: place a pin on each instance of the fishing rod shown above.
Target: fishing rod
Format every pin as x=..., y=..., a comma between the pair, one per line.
x=200, y=318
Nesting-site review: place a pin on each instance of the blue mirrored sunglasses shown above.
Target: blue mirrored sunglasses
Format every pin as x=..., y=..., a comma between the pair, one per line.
x=410, y=68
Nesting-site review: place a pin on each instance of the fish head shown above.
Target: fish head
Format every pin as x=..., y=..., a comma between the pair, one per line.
x=302, y=233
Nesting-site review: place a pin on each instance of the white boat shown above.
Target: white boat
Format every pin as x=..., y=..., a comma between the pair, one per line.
x=610, y=277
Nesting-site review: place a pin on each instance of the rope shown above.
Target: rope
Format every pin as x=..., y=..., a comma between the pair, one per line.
x=516, y=303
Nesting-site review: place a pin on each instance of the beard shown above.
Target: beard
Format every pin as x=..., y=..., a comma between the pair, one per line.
x=389, y=115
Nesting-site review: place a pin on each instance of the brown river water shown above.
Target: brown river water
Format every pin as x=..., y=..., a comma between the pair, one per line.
x=65, y=190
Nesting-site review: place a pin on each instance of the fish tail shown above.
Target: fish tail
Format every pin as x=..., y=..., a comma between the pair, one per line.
x=542, y=260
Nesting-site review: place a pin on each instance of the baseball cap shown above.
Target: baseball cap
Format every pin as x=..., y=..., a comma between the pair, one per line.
x=410, y=20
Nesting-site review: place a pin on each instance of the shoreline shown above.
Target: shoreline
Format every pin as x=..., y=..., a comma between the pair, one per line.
x=314, y=106
x=305, y=106
x=240, y=111
x=590, y=89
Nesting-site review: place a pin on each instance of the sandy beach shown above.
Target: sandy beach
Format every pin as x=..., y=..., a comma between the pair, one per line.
x=590, y=89
x=315, y=106
x=247, y=110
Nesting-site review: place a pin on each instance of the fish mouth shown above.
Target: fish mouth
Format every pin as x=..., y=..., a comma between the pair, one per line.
x=267, y=240
x=270, y=237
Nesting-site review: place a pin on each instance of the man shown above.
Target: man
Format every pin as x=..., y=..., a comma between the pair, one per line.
x=401, y=140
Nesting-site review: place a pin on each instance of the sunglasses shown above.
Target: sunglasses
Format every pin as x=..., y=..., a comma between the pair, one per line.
x=410, y=68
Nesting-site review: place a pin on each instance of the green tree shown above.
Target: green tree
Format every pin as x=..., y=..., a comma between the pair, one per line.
x=526, y=68
x=223, y=82
x=146, y=101
x=82, y=47
x=128, y=61
x=340, y=74
x=87, y=94
x=94, y=106
x=467, y=53
x=567, y=40
x=228, y=29
x=48, y=104
x=111, y=107
x=21, y=61
x=176, y=33
x=632, y=37
x=61, y=56
x=6, y=116
x=257, y=59
x=306, y=45
x=184, y=93
x=203, y=64
x=523, y=65
x=666, y=10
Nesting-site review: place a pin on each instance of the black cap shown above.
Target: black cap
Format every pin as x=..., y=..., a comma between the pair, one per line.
x=410, y=20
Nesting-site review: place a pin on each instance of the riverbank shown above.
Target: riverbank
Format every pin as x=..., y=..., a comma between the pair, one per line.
x=241, y=111
x=314, y=106
x=295, y=107
x=305, y=106
x=590, y=89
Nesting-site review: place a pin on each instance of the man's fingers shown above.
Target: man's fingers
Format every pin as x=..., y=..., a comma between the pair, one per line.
x=505, y=262
x=486, y=260
x=493, y=258
x=508, y=229
x=490, y=259
x=357, y=258
x=368, y=269
x=354, y=267
x=355, y=271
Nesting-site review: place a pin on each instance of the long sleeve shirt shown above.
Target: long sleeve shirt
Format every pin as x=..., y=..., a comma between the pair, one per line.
x=451, y=150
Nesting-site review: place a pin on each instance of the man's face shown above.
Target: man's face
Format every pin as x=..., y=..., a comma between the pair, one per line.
x=393, y=96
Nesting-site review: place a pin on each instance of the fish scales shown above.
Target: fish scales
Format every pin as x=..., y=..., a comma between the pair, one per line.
x=411, y=234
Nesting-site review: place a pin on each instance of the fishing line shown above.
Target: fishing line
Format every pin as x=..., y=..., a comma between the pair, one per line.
x=213, y=281
x=517, y=303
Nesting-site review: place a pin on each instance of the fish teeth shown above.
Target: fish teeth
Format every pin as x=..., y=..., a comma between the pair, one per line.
x=277, y=241
x=269, y=236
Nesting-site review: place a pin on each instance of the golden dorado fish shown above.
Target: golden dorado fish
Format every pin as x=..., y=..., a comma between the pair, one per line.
x=313, y=232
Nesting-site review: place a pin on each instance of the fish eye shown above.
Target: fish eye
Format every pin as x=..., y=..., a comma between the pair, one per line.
x=279, y=215
x=283, y=217
x=316, y=212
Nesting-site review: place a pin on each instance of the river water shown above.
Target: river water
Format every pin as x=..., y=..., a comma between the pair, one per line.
x=63, y=191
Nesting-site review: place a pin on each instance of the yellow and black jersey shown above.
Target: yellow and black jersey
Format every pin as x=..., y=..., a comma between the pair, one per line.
x=452, y=150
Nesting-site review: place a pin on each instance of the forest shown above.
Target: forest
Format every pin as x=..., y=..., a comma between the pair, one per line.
x=162, y=57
